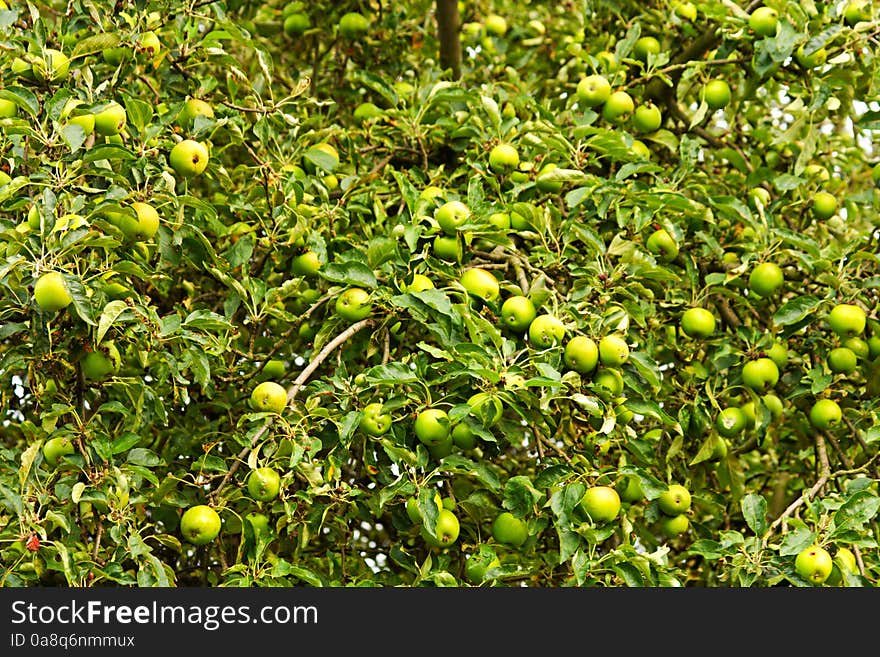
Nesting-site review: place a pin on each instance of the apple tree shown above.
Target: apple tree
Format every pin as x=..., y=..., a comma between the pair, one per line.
x=433, y=294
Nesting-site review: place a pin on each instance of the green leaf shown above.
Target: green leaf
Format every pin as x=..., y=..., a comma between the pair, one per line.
x=754, y=510
x=94, y=44
x=858, y=509
x=796, y=309
x=145, y=457
x=349, y=273
x=109, y=315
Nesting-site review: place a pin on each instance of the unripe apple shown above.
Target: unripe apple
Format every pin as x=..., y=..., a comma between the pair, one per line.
x=847, y=320
x=765, y=279
x=764, y=21
x=593, y=90
x=647, y=118
x=503, y=158
x=698, y=323
x=188, y=158
x=618, y=108
x=717, y=94
x=825, y=414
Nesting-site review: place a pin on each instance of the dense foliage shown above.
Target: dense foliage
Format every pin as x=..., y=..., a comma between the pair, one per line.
x=355, y=238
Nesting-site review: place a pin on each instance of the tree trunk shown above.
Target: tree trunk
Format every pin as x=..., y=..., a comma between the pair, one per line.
x=447, y=33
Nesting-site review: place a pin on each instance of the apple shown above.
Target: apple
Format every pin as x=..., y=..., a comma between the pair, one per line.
x=463, y=436
x=264, y=484
x=53, y=66
x=593, y=90
x=419, y=283
x=759, y=196
x=629, y=487
x=480, y=283
x=503, y=158
x=824, y=205
x=51, y=293
x=811, y=60
x=647, y=118
x=115, y=55
x=760, y=374
x=618, y=108
x=447, y=248
x=508, y=529
x=353, y=25
x=847, y=320
x=517, y=313
x=825, y=414
x=778, y=353
x=322, y=156
x=773, y=404
x=857, y=345
x=496, y=25
x=451, y=215
x=140, y=227
x=149, y=46
x=412, y=507
x=646, y=46
x=306, y=263
x=296, y=24
x=608, y=382
x=96, y=365
x=432, y=426
x=354, y=304
x=675, y=500
x=765, y=279
x=499, y=220
x=717, y=94
x=844, y=562
x=479, y=564
x=697, y=323
x=274, y=369
x=111, y=120
x=856, y=11
x=731, y=421
x=875, y=174
x=269, y=396
x=188, y=158
x=446, y=530
x=55, y=448
x=546, y=331
x=86, y=121
x=814, y=564
x=581, y=354
x=192, y=108
x=8, y=109
x=640, y=150
x=601, y=503
x=764, y=21
x=673, y=526
x=544, y=182
x=375, y=421
x=662, y=245
x=613, y=350
x=200, y=524
x=686, y=10
x=842, y=360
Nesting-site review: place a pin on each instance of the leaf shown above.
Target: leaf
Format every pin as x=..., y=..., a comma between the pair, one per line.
x=520, y=495
x=754, y=510
x=94, y=44
x=109, y=315
x=145, y=457
x=857, y=510
x=349, y=273
x=27, y=461
x=796, y=309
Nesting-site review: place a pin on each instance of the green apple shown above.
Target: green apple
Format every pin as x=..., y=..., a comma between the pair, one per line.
x=200, y=524
x=192, y=108
x=760, y=374
x=647, y=118
x=686, y=10
x=8, y=109
x=451, y=215
x=544, y=182
x=613, y=350
x=673, y=526
x=601, y=503
x=447, y=248
x=608, y=382
x=97, y=365
x=503, y=158
x=140, y=227
x=676, y=499
x=697, y=323
x=759, y=196
x=53, y=66
x=188, y=158
x=857, y=345
x=367, y=111
x=111, y=120
x=545, y=331
x=480, y=283
x=269, y=396
x=662, y=245
x=499, y=220
x=814, y=564
x=618, y=108
x=825, y=414
x=857, y=11
x=432, y=426
x=629, y=487
x=86, y=121
x=731, y=421
x=581, y=354
x=847, y=320
x=810, y=60
x=717, y=94
x=463, y=436
x=306, y=263
x=764, y=21
x=419, y=283
x=517, y=313
x=593, y=90
x=51, y=293
x=353, y=25
x=446, y=530
x=55, y=448
x=353, y=304
x=844, y=562
x=778, y=353
x=824, y=205
x=375, y=421
x=765, y=279
x=495, y=25
x=646, y=46
x=264, y=484
x=296, y=24
x=842, y=360
x=508, y=529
